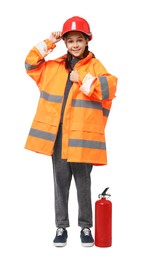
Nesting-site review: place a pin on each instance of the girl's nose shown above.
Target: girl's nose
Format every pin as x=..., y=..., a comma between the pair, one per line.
x=75, y=44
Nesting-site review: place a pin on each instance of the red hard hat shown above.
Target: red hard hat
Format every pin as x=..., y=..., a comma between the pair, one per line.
x=76, y=23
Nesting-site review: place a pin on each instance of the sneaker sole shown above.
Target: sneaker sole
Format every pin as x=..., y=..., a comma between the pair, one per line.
x=87, y=244
x=60, y=244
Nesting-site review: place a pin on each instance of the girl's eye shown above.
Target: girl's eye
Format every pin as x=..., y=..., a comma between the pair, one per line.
x=71, y=41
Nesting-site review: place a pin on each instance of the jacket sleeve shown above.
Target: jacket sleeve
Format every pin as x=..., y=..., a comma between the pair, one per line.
x=100, y=86
x=35, y=62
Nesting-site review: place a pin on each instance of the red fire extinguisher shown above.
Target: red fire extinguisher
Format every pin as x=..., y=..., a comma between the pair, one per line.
x=103, y=220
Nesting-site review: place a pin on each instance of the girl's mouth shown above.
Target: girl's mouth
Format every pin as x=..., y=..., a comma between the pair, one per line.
x=77, y=50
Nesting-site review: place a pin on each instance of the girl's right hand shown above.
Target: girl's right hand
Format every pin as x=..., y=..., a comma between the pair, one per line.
x=55, y=37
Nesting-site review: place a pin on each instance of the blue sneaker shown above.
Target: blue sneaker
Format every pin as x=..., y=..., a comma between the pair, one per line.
x=86, y=237
x=60, y=239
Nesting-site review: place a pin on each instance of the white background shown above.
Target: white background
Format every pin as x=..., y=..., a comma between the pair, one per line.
x=122, y=41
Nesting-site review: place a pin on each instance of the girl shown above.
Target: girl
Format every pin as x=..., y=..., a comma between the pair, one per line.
x=76, y=94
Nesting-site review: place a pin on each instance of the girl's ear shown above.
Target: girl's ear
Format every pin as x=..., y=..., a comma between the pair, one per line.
x=87, y=40
x=65, y=42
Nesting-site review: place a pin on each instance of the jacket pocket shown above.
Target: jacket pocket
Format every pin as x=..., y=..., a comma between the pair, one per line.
x=87, y=127
x=47, y=119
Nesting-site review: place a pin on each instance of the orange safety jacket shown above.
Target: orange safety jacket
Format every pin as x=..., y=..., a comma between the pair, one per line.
x=87, y=107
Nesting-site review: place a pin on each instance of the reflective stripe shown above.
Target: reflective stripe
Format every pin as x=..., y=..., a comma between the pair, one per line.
x=87, y=83
x=51, y=98
x=42, y=48
x=87, y=144
x=86, y=104
x=106, y=112
x=104, y=87
x=42, y=134
x=32, y=67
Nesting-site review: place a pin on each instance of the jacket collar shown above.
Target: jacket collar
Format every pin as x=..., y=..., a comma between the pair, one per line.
x=82, y=61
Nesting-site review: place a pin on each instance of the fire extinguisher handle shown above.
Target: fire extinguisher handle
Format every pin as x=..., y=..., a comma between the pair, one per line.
x=104, y=193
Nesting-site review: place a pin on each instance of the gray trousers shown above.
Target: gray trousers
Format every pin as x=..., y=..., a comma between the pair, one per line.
x=63, y=172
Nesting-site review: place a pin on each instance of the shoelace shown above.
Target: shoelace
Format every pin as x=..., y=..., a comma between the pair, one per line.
x=86, y=231
x=60, y=231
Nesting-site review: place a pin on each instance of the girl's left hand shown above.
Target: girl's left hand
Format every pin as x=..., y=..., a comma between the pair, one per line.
x=74, y=76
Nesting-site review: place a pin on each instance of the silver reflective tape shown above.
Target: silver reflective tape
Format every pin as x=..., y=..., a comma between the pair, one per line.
x=86, y=104
x=87, y=144
x=106, y=112
x=104, y=87
x=51, y=98
x=32, y=67
x=42, y=134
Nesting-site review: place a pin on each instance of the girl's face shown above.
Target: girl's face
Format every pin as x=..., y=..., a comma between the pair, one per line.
x=76, y=43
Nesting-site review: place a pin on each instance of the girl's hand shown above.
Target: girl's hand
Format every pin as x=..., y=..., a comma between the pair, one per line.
x=55, y=37
x=74, y=76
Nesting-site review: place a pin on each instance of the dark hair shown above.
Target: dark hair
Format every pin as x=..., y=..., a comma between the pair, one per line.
x=69, y=57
